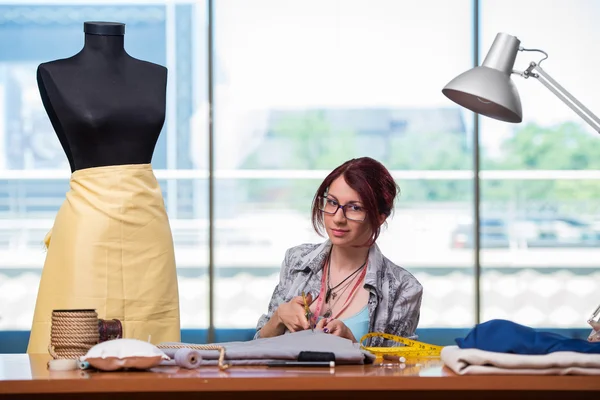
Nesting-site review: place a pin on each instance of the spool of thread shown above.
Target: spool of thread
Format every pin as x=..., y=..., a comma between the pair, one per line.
x=188, y=358
x=83, y=364
x=109, y=329
x=73, y=333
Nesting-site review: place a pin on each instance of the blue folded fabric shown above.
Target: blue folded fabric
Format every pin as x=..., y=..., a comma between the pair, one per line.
x=504, y=336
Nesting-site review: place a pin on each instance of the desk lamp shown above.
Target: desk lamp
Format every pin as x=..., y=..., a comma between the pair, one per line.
x=488, y=89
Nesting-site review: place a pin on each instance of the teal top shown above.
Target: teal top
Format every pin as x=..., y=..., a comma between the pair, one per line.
x=358, y=323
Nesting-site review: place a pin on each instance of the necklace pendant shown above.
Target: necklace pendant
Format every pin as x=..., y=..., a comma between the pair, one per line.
x=327, y=314
x=333, y=295
x=328, y=295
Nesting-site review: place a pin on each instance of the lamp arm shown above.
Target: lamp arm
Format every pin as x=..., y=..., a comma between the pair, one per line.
x=537, y=72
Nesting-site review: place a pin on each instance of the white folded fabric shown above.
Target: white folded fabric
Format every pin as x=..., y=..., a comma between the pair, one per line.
x=480, y=362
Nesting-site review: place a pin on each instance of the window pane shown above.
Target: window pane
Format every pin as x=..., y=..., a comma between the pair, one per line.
x=34, y=172
x=541, y=176
x=302, y=86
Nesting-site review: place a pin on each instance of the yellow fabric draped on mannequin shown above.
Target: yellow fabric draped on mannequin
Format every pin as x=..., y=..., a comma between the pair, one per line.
x=111, y=249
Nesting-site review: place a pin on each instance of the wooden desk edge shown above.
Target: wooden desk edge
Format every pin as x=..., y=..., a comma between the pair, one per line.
x=504, y=383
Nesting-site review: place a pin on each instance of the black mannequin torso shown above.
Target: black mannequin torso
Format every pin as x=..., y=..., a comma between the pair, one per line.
x=106, y=107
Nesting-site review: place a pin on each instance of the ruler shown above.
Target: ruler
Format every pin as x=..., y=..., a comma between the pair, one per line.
x=411, y=348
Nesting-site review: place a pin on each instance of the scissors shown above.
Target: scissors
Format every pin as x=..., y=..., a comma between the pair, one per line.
x=595, y=334
x=307, y=312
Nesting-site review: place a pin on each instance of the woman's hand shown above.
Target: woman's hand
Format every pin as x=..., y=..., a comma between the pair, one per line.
x=335, y=327
x=292, y=315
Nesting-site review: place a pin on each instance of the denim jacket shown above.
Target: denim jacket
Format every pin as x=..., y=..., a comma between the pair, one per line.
x=394, y=293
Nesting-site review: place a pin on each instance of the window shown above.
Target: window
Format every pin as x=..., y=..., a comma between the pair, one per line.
x=536, y=174
x=303, y=86
x=298, y=87
x=34, y=171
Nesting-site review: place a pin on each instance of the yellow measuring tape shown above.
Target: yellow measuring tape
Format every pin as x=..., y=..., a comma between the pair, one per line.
x=411, y=348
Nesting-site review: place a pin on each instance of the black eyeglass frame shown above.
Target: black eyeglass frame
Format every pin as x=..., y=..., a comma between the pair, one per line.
x=324, y=199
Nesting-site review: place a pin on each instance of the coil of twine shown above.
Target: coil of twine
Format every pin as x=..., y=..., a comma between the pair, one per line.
x=73, y=333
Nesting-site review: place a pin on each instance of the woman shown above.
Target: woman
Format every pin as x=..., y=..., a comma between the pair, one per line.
x=351, y=287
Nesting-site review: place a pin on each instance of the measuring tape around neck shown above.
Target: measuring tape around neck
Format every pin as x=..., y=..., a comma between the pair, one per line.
x=411, y=348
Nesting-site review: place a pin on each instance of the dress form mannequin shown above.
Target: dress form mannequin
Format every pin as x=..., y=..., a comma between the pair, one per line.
x=106, y=107
x=111, y=247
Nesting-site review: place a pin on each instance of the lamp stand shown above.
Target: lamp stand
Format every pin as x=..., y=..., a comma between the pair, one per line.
x=535, y=71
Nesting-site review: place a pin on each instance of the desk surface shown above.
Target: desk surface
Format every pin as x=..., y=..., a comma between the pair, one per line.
x=28, y=374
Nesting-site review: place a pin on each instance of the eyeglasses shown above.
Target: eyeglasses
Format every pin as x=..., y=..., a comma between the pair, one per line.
x=351, y=211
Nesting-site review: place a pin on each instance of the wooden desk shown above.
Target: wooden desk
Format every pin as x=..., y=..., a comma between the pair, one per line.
x=23, y=376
